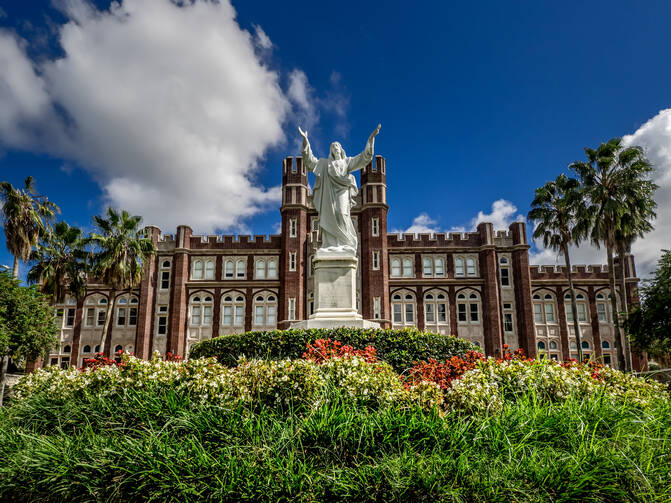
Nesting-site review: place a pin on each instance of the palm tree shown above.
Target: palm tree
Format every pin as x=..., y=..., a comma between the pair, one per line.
x=25, y=218
x=561, y=219
x=617, y=186
x=121, y=250
x=60, y=263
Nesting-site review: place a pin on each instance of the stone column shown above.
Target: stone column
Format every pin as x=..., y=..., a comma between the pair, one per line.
x=522, y=281
x=176, y=339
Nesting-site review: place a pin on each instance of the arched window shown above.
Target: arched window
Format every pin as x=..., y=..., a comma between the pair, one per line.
x=265, y=310
x=541, y=345
x=605, y=345
x=209, y=269
x=118, y=348
x=553, y=345
x=581, y=307
x=470, y=267
x=260, y=269
x=67, y=349
x=396, y=267
x=200, y=310
x=407, y=268
x=504, y=271
x=97, y=349
x=165, y=275
x=584, y=345
x=232, y=310
x=87, y=349
x=197, y=272
x=427, y=267
x=439, y=266
x=240, y=269
x=503, y=260
x=436, y=311
x=468, y=307
x=228, y=269
x=403, y=308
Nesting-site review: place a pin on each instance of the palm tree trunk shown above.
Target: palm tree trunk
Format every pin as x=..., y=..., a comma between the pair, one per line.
x=623, y=293
x=15, y=270
x=613, y=303
x=574, y=307
x=4, y=363
x=106, y=342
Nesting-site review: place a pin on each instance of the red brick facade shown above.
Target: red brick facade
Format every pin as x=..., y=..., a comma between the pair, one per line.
x=477, y=285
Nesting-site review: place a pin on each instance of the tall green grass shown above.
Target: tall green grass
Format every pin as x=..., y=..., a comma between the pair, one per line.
x=145, y=446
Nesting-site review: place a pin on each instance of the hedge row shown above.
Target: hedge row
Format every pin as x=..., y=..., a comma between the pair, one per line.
x=399, y=348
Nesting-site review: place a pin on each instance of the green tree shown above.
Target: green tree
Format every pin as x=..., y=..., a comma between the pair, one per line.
x=561, y=218
x=649, y=322
x=25, y=218
x=27, y=324
x=616, y=184
x=59, y=263
x=121, y=251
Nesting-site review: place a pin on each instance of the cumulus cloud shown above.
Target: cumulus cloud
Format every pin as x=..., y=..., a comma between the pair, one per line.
x=165, y=103
x=262, y=40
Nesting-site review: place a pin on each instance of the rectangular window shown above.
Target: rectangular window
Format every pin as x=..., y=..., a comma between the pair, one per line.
x=65, y=362
x=601, y=312
x=409, y=313
x=507, y=322
x=239, y=316
x=228, y=316
x=538, y=313
x=101, y=317
x=270, y=318
x=209, y=269
x=292, y=309
x=430, y=313
x=549, y=313
x=165, y=280
x=240, y=269
x=162, y=325
x=470, y=267
x=195, y=315
x=507, y=305
x=398, y=313
x=474, y=312
x=461, y=312
x=396, y=268
x=121, y=317
x=582, y=311
x=458, y=267
x=132, y=316
x=569, y=312
x=259, y=315
x=376, y=308
x=505, y=276
x=70, y=318
x=90, y=316
x=439, y=270
x=207, y=315
x=292, y=228
x=315, y=224
x=292, y=261
x=407, y=267
x=376, y=260
x=442, y=313
x=606, y=359
x=375, y=227
x=427, y=268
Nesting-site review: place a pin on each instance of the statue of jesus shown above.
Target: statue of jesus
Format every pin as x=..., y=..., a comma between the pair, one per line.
x=334, y=192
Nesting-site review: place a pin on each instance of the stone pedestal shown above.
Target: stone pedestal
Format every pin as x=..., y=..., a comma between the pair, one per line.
x=335, y=293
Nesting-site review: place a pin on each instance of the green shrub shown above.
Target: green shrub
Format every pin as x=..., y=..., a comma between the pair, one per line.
x=399, y=348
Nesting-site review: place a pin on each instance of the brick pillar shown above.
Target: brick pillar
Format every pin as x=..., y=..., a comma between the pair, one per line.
x=421, y=322
x=374, y=283
x=216, y=311
x=452, y=296
x=563, y=324
x=491, y=302
x=146, y=307
x=522, y=281
x=76, y=333
x=176, y=339
x=249, y=305
x=294, y=207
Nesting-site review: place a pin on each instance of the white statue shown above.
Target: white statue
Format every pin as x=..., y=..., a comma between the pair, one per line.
x=334, y=192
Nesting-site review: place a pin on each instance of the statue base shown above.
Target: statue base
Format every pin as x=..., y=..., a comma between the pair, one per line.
x=335, y=293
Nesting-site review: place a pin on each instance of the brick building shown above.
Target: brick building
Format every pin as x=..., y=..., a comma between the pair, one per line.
x=478, y=285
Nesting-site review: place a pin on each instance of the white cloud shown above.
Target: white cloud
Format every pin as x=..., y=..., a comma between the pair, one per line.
x=165, y=103
x=302, y=95
x=655, y=137
x=262, y=40
x=422, y=224
x=502, y=215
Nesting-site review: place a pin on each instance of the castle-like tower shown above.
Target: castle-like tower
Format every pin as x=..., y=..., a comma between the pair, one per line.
x=477, y=285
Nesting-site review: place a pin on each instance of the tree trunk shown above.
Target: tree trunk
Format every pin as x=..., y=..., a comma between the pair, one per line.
x=574, y=307
x=4, y=362
x=623, y=294
x=15, y=270
x=106, y=342
x=613, y=303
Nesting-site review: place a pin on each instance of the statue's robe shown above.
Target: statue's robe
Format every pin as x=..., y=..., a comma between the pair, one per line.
x=333, y=196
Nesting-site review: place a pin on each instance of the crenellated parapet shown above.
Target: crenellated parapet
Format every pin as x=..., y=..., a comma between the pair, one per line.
x=560, y=272
x=437, y=240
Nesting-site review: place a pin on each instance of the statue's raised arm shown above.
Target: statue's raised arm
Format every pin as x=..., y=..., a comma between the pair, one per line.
x=309, y=160
x=359, y=162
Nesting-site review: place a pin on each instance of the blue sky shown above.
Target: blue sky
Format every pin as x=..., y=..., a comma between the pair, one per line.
x=479, y=102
